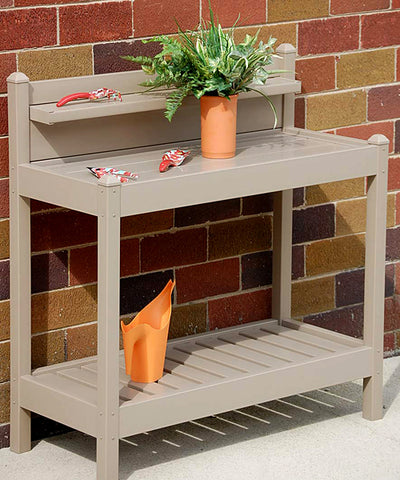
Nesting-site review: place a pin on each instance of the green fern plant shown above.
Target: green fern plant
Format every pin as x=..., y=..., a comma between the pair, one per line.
x=207, y=61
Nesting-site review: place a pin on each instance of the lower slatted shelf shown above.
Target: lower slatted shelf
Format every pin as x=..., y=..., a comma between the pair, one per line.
x=203, y=375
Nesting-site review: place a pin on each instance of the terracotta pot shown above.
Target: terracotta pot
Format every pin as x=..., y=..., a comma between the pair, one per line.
x=218, y=126
x=145, y=338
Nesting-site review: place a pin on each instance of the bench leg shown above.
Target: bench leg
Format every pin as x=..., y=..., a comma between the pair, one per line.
x=20, y=260
x=20, y=283
x=108, y=328
x=282, y=255
x=375, y=280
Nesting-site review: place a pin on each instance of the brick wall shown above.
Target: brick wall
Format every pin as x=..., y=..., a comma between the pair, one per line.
x=349, y=63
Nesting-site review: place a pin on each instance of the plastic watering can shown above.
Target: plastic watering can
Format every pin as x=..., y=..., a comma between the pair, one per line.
x=145, y=338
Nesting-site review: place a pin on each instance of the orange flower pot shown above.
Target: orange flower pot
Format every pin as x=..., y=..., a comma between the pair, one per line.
x=218, y=126
x=145, y=338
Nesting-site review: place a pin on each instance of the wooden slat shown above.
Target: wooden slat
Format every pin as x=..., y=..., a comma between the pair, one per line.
x=275, y=354
x=228, y=359
x=80, y=375
x=185, y=371
x=176, y=382
x=236, y=351
x=306, y=338
x=323, y=333
x=89, y=378
x=149, y=388
x=202, y=364
x=285, y=344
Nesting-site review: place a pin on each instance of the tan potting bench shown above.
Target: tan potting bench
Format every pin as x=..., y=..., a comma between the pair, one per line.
x=209, y=373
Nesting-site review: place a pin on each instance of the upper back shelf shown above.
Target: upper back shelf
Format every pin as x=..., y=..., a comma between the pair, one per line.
x=85, y=127
x=50, y=114
x=45, y=94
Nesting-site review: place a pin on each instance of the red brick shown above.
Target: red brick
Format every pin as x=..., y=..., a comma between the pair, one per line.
x=228, y=239
x=4, y=4
x=395, y=4
x=349, y=286
x=48, y=349
x=27, y=3
x=327, y=36
x=238, y=309
x=394, y=173
x=83, y=262
x=4, y=202
x=55, y=230
x=256, y=270
x=3, y=116
x=380, y=30
x=129, y=257
x=355, y=6
x=392, y=313
x=384, y=102
x=173, y=249
x=396, y=137
x=388, y=342
x=257, y=267
x=147, y=223
x=393, y=244
x=389, y=280
x=207, y=280
x=348, y=320
x=8, y=65
x=397, y=279
x=49, y=271
x=365, y=131
x=300, y=113
x=139, y=290
x=152, y=17
x=4, y=157
x=28, y=28
x=81, y=342
x=255, y=204
x=252, y=12
x=83, y=265
x=313, y=223
x=37, y=206
x=316, y=74
x=4, y=280
x=95, y=22
x=298, y=196
x=298, y=262
x=207, y=212
x=107, y=56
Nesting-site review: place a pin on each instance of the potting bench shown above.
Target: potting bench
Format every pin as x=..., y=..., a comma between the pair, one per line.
x=216, y=371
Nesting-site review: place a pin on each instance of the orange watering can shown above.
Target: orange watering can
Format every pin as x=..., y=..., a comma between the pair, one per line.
x=145, y=338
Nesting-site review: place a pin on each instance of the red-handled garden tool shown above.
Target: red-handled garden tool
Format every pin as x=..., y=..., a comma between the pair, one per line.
x=99, y=94
x=173, y=158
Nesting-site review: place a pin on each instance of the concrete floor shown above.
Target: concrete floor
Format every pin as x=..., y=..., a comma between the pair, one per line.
x=319, y=435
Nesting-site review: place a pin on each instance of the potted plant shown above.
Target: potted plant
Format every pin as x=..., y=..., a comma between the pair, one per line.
x=210, y=65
